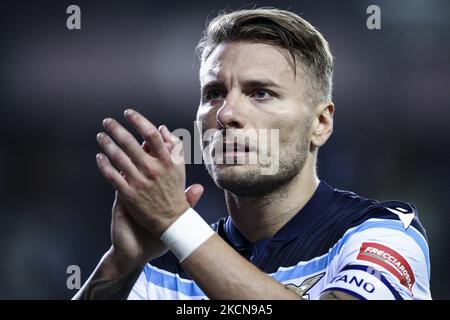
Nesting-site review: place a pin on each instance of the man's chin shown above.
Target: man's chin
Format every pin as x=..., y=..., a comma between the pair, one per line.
x=241, y=180
x=236, y=169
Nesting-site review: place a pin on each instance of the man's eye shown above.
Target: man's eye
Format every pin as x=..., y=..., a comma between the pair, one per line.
x=262, y=94
x=213, y=95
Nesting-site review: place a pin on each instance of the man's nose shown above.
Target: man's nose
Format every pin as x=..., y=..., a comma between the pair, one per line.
x=231, y=113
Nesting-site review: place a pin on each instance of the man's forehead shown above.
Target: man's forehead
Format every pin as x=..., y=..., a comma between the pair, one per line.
x=247, y=61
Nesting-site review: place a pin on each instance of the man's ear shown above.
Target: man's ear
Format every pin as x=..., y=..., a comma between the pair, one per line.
x=322, y=126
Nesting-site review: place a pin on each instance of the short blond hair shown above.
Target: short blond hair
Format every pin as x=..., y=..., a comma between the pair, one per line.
x=280, y=28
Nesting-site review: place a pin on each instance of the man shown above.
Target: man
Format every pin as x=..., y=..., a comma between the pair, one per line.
x=288, y=235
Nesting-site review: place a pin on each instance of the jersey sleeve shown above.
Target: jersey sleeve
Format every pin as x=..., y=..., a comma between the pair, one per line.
x=383, y=259
x=140, y=288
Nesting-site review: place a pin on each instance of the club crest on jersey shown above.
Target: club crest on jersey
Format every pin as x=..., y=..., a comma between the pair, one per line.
x=302, y=289
x=390, y=260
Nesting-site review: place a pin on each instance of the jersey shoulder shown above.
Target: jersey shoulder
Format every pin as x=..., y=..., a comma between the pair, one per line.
x=383, y=250
x=354, y=211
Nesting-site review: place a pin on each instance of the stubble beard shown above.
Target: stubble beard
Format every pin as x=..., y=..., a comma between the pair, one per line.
x=247, y=181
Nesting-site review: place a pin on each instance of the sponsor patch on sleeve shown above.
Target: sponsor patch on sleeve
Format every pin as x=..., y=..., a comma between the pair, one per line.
x=390, y=260
x=364, y=283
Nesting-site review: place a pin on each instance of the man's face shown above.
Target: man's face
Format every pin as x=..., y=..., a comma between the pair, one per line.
x=247, y=87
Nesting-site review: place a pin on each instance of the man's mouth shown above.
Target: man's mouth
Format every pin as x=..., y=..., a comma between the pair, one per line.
x=234, y=148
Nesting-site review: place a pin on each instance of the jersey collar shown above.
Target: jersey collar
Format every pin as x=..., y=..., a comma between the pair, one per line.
x=298, y=224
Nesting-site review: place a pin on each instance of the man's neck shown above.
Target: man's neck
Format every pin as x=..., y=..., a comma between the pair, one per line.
x=261, y=217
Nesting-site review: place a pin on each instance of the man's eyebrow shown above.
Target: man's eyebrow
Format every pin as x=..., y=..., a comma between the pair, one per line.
x=249, y=83
x=252, y=83
x=213, y=85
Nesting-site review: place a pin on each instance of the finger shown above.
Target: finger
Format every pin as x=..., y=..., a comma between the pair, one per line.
x=167, y=135
x=110, y=173
x=146, y=148
x=126, y=141
x=149, y=133
x=193, y=194
x=176, y=145
x=166, y=138
x=117, y=156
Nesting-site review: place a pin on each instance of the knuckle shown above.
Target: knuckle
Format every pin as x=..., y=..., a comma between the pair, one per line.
x=167, y=162
x=128, y=195
x=110, y=178
x=168, y=146
x=115, y=155
x=149, y=170
x=150, y=133
x=127, y=140
x=140, y=187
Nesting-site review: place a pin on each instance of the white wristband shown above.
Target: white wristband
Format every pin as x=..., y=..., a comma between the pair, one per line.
x=186, y=234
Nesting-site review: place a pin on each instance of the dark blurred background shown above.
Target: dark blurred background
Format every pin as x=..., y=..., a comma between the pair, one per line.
x=391, y=138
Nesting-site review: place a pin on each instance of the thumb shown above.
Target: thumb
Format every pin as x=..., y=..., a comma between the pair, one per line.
x=193, y=194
